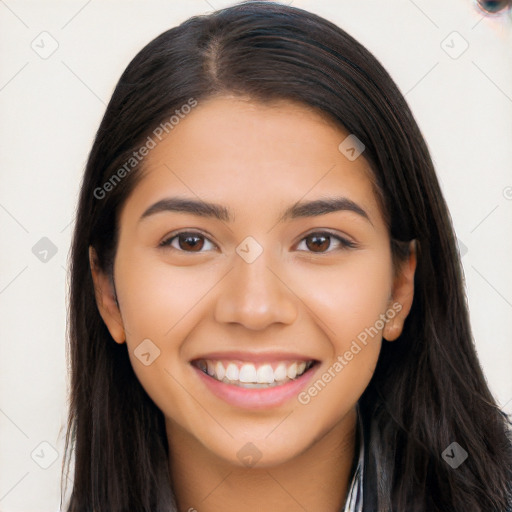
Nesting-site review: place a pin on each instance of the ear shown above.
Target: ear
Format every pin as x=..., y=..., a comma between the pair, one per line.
x=402, y=295
x=106, y=299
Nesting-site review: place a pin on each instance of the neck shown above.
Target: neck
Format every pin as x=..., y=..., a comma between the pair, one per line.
x=316, y=479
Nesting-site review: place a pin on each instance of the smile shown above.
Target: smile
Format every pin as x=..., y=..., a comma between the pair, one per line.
x=254, y=376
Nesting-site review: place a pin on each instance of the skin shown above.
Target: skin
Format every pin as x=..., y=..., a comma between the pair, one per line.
x=297, y=297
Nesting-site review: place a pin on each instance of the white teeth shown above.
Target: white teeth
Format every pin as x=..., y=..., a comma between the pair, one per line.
x=250, y=376
x=265, y=374
x=220, y=372
x=280, y=372
x=247, y=373
x=292, y=371
x=232, y=371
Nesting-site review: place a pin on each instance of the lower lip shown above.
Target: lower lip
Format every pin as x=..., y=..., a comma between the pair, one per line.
x=250, y=398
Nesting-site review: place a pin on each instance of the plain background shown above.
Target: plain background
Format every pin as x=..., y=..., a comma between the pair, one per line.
x=451, y=61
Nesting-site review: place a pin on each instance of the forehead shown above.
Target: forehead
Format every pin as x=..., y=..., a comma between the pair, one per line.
x=252, y=155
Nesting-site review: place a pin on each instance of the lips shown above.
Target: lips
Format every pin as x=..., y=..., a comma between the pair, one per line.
x=256, y=375
x=237, y=367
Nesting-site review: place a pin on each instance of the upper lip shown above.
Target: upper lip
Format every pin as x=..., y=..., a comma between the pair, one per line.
x=254, y=357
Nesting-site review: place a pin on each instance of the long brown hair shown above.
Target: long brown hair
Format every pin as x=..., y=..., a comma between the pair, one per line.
x=428, y=389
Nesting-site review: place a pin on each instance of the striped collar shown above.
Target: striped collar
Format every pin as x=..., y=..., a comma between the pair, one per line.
x=354, y=502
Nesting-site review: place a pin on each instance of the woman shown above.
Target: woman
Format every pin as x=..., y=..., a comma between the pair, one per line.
x=267, y=309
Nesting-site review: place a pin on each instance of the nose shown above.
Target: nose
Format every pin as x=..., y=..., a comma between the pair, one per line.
x=255, y=296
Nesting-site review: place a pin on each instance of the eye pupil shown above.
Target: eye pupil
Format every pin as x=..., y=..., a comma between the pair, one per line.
x=191, y=242
x=321, y=242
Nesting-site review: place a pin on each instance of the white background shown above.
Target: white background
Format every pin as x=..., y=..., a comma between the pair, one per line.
x=50, y=109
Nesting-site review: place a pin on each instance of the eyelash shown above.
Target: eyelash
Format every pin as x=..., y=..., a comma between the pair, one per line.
x=344, y=243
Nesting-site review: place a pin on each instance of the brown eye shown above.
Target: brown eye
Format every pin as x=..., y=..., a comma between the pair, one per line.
x=318, y=243
x=188, y=242
x=322, y=242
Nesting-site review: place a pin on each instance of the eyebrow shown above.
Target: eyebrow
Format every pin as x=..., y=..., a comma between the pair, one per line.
x=213, y=210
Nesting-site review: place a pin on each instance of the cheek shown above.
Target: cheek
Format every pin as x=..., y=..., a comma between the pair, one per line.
x=158, y=303
x=349, y=303
x=161, y=304
x=156, y=297
x=350, y=297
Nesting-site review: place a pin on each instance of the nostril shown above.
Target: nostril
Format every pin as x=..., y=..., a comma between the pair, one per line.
x=494, y=6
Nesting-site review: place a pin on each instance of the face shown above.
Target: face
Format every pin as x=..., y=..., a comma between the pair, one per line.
x=254, y=279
